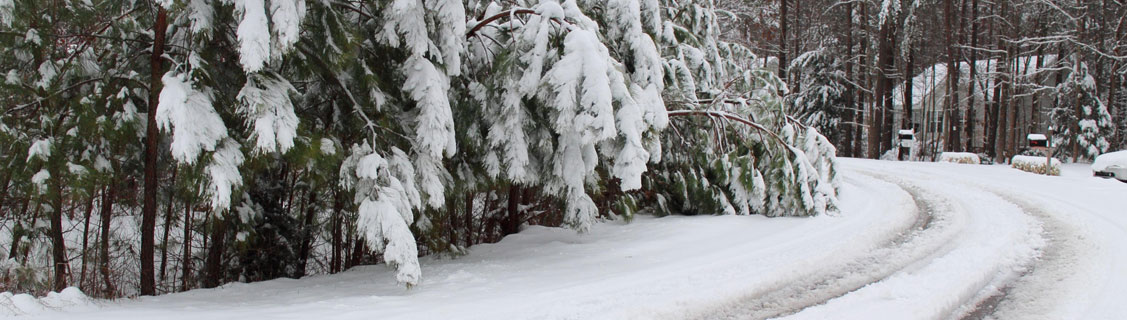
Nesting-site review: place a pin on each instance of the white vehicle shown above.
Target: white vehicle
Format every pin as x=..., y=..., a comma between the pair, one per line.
x=1111, y=165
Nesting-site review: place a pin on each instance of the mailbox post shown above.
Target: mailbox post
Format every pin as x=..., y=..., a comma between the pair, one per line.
x=907, y=139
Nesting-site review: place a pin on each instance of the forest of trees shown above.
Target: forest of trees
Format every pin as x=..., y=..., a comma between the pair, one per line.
x=156, y=146
x=869, y=68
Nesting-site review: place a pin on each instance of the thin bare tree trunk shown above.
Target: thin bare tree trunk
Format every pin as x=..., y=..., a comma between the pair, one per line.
x=850, y=148
x=186, y=263
x=86, y=241
x=167, y=225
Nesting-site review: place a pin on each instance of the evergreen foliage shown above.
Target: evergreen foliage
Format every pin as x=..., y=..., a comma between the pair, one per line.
x=301, y=137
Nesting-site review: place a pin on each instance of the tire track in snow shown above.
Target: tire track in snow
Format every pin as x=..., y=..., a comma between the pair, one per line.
x=923, y=239
x=996, y=243
x=1032, y=291
x=1025, y=295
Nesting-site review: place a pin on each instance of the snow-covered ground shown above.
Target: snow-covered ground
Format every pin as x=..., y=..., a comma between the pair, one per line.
x=912, y=241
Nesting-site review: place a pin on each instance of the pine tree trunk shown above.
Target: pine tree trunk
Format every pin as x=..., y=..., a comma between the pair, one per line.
x=167, y=225
x=887, y=58
x=871, y=134
x=849, y=145
x=58, y=244
x=470, y=230
x=1117, y=109
x=953, y=74
x=7, y=183
x=338, y=206
x=972, y=61
x=186, y=263
x=1035, y=109
x=214, y=276
x=306, y=234
x=152, y=137
x=109, y=195
x=86, y=241
x=783, y=40
x=512, y=221
x=452, y=221
x=908, y=121
x=1008, y=105
x=992, y=111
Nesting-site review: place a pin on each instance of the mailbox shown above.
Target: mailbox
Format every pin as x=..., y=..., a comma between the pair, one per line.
x=907, y=138
x=1037, y=140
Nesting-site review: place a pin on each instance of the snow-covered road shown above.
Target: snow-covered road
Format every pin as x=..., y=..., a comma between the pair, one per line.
x=913, y=241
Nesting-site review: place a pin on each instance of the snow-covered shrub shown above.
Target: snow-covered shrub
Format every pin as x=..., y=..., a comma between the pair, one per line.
x=959, y=157
x=1035, y=165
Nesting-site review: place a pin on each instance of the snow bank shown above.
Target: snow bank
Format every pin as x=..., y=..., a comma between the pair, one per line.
x=1034, y=164
x=1108, y=159
x=959, y=157
x=25, y=304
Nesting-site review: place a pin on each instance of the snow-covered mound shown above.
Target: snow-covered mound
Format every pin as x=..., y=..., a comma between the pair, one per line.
x=24, y=304
x=959, y=157
x=1034, y=164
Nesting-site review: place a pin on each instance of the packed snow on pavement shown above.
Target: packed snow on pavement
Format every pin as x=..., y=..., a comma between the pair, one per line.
x=911, y=241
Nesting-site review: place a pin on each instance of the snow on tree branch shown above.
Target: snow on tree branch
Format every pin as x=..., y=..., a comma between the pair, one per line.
x=265, y=102
x=188, y=113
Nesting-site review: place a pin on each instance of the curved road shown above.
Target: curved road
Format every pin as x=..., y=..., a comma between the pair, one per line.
x=1004, y=245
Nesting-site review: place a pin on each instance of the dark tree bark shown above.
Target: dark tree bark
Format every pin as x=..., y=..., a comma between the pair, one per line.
x=186, y=262
x=7, y=184
x=470, y=229
x=152, y=143
x=109, y=195
x=783, y=40
x=886, y=58
x=58, y=244
x=512, y=221
x=871, y=145
x=909, y=122
x=307, y=227
x=86, y=240
x=337, y=241
x=1035, y=108
x=214, y=276
x=992, y=110
x=972, y=62
x=849, y=147
x=953, y=102
x=167, y=225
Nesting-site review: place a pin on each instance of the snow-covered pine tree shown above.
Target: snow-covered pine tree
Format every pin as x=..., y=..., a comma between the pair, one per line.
x=742, y=146
x=1082, y=116
x=400, y=108
x=821, y=95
